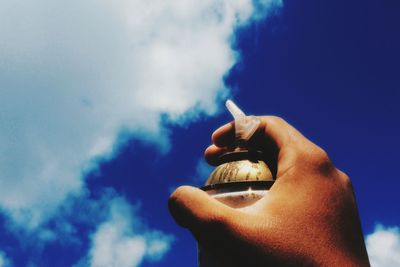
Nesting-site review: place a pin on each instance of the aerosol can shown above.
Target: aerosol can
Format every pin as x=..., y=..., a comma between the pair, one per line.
x=242, y=178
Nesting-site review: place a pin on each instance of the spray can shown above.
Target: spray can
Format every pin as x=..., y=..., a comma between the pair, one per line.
x=242, y=178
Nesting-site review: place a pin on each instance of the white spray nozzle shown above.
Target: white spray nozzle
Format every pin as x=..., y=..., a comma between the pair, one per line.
x=245, y=126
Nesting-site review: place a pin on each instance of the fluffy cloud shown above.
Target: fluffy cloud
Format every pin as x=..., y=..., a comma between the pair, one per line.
x=383, y=246
x=75, y=74
x=119, y=241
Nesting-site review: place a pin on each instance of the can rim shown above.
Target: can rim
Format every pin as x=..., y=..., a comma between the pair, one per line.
x=237, y=186
x=251, y=155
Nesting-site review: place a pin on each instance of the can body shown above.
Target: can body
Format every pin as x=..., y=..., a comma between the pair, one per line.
x=239, y=182
x=235, y=199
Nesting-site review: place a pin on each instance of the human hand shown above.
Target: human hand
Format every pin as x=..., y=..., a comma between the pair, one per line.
x=308, y=218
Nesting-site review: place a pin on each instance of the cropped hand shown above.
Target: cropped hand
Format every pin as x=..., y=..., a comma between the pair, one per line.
x=308, y=218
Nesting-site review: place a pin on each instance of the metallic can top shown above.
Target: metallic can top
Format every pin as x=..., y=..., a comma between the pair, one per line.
x=241, y=168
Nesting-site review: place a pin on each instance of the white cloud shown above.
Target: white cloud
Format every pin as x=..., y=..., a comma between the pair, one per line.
x=63, y=228
x=383, y=246
x=4, y=261
x=74, y=74
x=120, y=242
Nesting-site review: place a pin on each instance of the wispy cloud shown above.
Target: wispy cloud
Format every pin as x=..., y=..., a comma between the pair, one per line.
x=383, y=246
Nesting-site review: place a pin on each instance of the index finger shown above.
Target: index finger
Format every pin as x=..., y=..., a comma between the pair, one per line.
x=274, y=136
x=225, y=135
x=273, y=128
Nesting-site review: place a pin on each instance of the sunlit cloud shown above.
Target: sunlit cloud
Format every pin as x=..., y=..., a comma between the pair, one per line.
x=79, y=78
x=74, y=75
x=383, y=246
x=122, y=241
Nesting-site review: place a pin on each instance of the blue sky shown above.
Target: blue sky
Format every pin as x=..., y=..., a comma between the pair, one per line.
x=105, y=108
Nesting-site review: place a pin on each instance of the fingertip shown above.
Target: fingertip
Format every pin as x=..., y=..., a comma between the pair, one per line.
x=224, y=135
x=177, y=206
x=194, y=209
x=212, y=154
x=278, y=130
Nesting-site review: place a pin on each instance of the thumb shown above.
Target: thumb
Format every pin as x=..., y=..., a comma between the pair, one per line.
x=194, y=209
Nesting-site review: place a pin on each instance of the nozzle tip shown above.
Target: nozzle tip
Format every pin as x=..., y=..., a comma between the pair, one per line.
x=245, y=126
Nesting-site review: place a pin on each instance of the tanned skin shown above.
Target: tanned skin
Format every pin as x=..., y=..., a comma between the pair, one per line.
x=308, y=218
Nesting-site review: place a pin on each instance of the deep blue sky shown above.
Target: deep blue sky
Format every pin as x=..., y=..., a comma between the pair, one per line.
x=330, y=68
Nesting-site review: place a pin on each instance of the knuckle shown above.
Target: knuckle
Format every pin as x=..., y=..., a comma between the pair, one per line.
x=345, y=179
x=323, y=162
x=275, y=119
x=321, y=156
x=319, y=160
